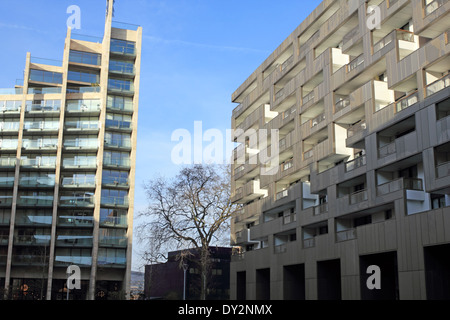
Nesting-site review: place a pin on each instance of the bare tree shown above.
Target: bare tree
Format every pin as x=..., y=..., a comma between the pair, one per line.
x=190, y=211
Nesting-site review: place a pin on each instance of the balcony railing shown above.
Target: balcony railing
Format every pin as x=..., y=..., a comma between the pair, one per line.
x=387, y=150
x=433, y=6
x=117, y=162
x=118, y=143
x=8, y=162
x=308, y=154
x=81, y=143
x=38, y=163
x=407, y=101
x=341, y=104
x=280, y=248
x=383, y=42
x=360, y=126
x=357, y=197
x=93, y=89
x=83, y=181
x=438, y=85
x=344, y=235
x=402, y=183
x=114, y=221
x=320, y=209
x=50, y=90
x=114, y=201
x=355, y=163
x=355, y=63
x=11, y=91
x=314, y=122
x=309, y=243
x=281, y=194
x=76, y=201
x=287, y=165
x=443, y=169
x=308, y=97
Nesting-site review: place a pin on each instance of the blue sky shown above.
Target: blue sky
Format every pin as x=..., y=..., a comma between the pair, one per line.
x=196, y=53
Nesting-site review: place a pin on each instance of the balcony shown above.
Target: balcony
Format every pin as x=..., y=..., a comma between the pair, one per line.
x=357, y=197
x=117, y=163
x=6, y=201
x=40, y=145
x=79, y=181
x=91, y=89
x=118, y=125
x=399, y=184
x=78, y=201
x=81, y=144
x=438, y=85
x=8, y=163
x=32, y=240
x=11, y=91
x=67, y=220
x=355, y=163
x=44, y=126
x=48, y=90
x=345, y=235
x=320, y=209
x=118, y=144
x=407, y=101
x=114, y=201
x=38, y=163
x=431, y=6
x=120, y=221
x=35, y=200
x=74, y=240
x=42, y=108
x=443, y=169
x=37, y=182
x=113, y=241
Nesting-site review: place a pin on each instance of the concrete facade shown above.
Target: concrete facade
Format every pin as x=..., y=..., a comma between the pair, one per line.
x=67, y=168
x=360, y=120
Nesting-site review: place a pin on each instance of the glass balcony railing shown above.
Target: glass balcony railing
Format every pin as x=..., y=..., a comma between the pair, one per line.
x=74, y=240
x=432, y=6
x=106, y=261
x=34, y=239
x=93, y=89
x=75, y=221
x=114, y=221
x=35, y=200
x=115, y=241
x=76, y=201
x=117, y=162
x=85, y=57
x=355, y=163
x=6, y=200
x=37, y=182
x=41, y=125
x=117, y=124
x=67, y=260
x=80, y=162
x=11, y=91
x=7, y=162
x=118, y=143
x=6, y=181
x=438, y=85
x=43, y=108
x=116, y=181
x=81, y=125
x=39, y=144
x=51, y=90
x=78, y=181
x=81, y=143
x=39, y=162
x=114, y=201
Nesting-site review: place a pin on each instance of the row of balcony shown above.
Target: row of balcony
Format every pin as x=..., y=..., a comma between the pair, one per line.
x=84, y=201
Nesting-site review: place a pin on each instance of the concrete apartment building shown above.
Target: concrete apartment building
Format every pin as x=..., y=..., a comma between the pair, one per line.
x=67, y=168
x=363, y=173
